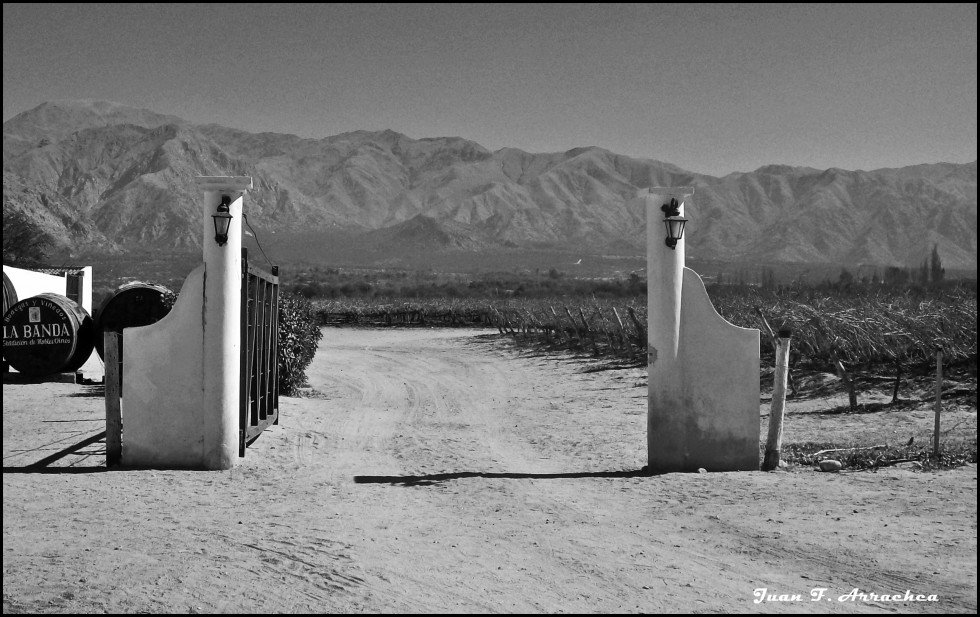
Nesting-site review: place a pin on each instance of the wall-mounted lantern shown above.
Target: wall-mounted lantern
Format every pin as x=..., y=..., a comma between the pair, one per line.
x=222, y=220
x=673, y=222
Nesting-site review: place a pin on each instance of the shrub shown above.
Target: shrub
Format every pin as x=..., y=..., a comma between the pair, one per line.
x=25, y=243
x=299, y=337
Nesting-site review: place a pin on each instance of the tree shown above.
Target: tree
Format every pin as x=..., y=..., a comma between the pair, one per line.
x=24, y=242
x=896, y=276
x=923, y=276
x=936, y=271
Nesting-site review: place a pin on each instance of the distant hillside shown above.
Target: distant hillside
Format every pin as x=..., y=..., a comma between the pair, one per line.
x=102, y=176
x=53, y=121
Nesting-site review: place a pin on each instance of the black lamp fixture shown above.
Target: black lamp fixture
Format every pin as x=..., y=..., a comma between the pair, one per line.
x=222, y=220
x=673, y=222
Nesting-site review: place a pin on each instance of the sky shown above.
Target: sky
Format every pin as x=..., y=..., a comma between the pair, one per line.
x=711, y=88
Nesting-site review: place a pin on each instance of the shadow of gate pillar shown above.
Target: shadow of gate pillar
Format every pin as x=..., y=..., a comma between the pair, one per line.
x=181, y=374
x=703, y=393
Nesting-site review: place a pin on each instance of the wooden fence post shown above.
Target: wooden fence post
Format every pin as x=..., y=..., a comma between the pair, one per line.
x=939, y=400
x=625, y=336
x=588, y=330
x=601, y=325
x=495, y=319
x=641, y=335
x=113, y=394
x=775, y=439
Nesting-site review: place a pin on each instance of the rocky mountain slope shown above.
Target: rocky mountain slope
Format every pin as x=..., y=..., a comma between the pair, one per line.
x=99, y=175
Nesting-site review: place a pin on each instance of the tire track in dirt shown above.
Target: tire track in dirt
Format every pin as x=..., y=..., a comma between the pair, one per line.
x=391, y=398
x=413, y=414
x=464, y=414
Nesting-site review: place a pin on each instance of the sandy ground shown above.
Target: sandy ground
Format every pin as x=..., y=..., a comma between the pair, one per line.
x=443, y=471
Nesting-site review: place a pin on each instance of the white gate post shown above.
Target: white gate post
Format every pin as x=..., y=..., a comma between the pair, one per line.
x=222, y=320
x=665, y=267
x=665, y=270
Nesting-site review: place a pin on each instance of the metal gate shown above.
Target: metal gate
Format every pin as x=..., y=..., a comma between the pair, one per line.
x=259, y=401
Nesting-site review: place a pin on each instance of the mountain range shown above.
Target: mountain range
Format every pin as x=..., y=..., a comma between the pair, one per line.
x=100, y=176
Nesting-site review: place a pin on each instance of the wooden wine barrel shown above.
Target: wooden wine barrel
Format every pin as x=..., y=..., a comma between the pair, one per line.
x=131, y=305
x=47, y=334
x=9, y=294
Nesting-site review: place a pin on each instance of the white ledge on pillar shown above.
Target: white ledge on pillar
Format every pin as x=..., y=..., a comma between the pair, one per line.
x=673, y=191
x=224, y=183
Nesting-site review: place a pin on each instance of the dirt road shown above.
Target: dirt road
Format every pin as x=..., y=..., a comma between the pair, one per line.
x=441, y=471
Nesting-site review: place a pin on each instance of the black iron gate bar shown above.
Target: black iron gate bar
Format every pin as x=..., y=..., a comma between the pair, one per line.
x=259, y=396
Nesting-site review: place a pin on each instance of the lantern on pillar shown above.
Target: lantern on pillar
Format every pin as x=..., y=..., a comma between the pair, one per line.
x=222, y=220
x=674, y=222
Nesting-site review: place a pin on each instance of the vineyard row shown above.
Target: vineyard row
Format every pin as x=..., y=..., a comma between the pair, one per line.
x=904, y=330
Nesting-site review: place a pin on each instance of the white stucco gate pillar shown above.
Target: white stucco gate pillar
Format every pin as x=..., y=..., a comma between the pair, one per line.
x=222, y=320
x=703, y=392
x=180, y=402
